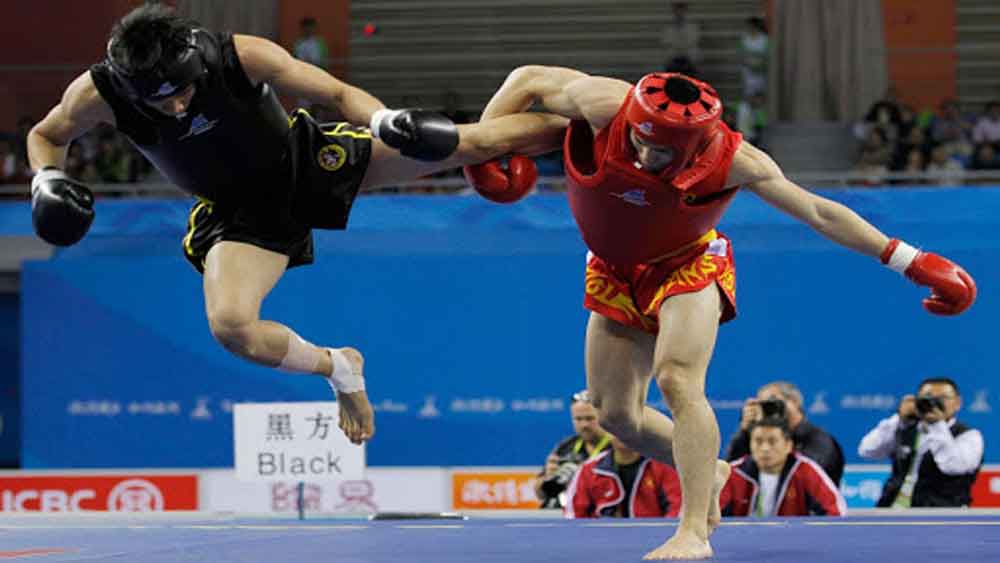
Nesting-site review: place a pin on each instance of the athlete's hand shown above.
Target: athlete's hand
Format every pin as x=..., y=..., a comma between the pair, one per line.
x=62, y=209
x=503, y=185
x=417, y=133
x=952, y=289
x=907, y=409
x=751, y=413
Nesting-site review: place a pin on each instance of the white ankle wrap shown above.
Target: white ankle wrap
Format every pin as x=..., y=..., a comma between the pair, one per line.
x=301, y=357
x=345, y=378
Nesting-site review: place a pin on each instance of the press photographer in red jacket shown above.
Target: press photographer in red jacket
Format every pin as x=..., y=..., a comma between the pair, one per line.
x=621, y=483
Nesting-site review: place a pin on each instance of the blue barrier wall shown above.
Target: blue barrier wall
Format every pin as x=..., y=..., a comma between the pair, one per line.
x=10, y=380
x=471, y=318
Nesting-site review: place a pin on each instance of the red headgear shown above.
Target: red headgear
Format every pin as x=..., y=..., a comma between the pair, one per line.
x=676, y=111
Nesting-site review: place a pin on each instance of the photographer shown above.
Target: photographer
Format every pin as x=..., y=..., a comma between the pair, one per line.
x=560, y=465
x=922, y=424
x=784, y=400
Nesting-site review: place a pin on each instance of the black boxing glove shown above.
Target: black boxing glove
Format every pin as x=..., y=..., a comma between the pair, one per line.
x=416, y=133
x=62, y=209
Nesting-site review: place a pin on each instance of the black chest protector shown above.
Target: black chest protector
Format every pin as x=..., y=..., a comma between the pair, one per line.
x=233, y=139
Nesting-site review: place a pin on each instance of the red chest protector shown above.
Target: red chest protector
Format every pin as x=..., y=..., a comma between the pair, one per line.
x=628, y=216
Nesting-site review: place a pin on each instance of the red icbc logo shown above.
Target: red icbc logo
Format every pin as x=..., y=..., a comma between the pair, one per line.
x=115, y=493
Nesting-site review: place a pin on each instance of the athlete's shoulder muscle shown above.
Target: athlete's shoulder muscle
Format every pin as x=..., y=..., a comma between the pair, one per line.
x=81, y=108
x=751, y=165
x=599, y=98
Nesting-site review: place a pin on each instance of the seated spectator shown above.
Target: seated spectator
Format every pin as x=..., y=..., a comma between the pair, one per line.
x=587, y=442
x=875, y=156
x=783, y=400
x=951, y=129
x=987, y=129
x=915, y=138
x=79, y=167
x=885, y=114
x=985, y=158
x=944, y=170
x=624, y=484
x=907, y=120
x=774, y=480
x=926, y=424
x=915, y=164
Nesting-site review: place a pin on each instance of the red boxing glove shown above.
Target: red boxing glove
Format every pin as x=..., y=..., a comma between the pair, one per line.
x=501, y=185
x=952, y=289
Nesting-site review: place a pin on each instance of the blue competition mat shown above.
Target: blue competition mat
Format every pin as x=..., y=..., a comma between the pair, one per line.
x=964, y=539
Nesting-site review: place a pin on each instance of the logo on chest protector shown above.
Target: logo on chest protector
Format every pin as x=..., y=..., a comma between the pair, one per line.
x=199, y=124
x=331, y=157
x=635, y=197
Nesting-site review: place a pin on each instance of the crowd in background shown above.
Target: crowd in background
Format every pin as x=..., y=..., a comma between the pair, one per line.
x=937, y=147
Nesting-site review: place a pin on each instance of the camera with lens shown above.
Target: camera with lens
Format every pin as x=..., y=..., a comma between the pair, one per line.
x=558, y=481
x=927, y=404
x=773, y=408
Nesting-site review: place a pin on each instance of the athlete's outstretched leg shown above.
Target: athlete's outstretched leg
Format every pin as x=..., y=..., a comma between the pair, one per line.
x=238, y=277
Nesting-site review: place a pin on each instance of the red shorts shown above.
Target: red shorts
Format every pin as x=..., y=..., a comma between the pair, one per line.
x=632, y=296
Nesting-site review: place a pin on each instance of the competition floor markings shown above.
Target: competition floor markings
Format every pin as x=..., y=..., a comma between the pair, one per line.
x=962, y=538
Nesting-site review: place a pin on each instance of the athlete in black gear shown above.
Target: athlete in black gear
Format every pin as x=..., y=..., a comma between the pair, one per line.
x=202, y=107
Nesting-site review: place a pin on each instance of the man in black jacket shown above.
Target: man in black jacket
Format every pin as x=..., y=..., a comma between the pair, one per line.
x=783, y=399
x=587, y=442
x=926, y=424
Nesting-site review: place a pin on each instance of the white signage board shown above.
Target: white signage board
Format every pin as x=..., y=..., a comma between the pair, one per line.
x=293, y=442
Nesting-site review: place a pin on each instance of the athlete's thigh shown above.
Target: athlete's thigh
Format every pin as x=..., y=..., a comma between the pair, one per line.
x=689, y=324
x=618, y=362
x=238, y=276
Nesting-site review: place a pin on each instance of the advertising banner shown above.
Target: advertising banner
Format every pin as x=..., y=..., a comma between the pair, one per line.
x=113, y=493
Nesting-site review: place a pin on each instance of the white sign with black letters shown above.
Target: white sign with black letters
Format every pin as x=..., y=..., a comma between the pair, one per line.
x=293, y=442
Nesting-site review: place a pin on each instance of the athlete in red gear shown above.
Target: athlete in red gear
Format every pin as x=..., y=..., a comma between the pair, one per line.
x=650, y=170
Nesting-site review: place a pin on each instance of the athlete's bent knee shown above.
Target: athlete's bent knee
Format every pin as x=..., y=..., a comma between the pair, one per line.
x=233, y=331
x=680, y=387
x=620, y=422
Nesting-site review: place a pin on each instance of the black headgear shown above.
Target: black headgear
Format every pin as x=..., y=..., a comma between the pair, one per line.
x=166, y=78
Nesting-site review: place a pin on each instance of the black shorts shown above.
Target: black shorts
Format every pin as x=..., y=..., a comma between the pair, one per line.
x=327, y=163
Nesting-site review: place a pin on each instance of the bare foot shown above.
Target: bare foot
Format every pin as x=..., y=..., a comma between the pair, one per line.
x=722, y=470
x=357, y=418
x=684, y=545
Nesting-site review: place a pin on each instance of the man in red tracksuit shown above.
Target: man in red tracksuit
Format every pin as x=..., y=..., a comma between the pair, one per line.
x=622, y=483
x=774, y=480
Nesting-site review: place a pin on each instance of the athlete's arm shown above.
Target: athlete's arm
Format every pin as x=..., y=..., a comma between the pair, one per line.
x=266, y=61
x=62, y=209
x=80, y=109
x=756, y=171
x=563, y=91
x=952, y=288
